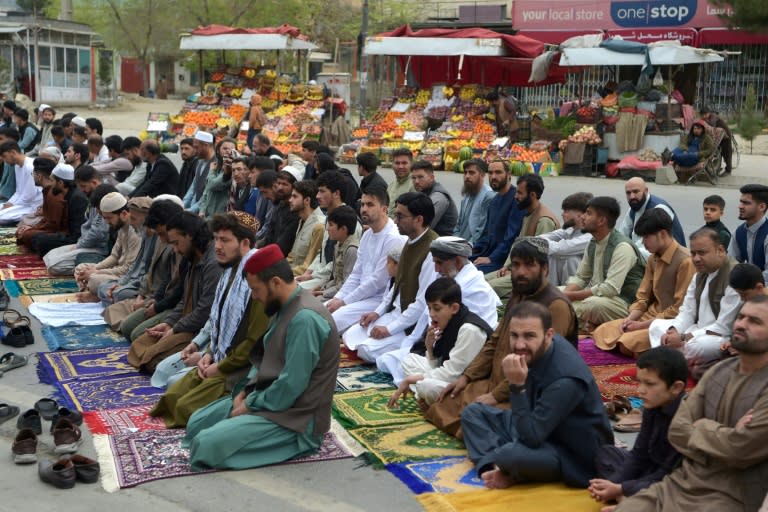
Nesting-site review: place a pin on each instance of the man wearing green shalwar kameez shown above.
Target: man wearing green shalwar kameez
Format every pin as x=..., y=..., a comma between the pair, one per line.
x=284, y=409
x=236, y=323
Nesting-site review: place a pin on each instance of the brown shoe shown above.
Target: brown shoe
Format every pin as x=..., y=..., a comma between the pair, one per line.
x=66, y=436
x=86, y=470
x=59, y=473
x=24, y=447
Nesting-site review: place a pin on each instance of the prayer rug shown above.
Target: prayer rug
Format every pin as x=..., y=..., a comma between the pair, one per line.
x=75, y=337
x=110, y=392
x=130, y=459
x=593, y=356
x=122, y=421
x=348, y=358
x=447, y=474
x=27, y=300
x=615, y=380
x=390, y=444
x=369, y=408
x=7, y=274
x=40, y=286
x=361, y=377
x=12, y=261
x=528, y=497
x=9, y=247
x=63, y=366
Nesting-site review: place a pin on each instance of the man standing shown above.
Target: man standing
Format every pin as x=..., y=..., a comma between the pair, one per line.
x=668, y=272
x=401, y=166
x=556, y=419
x=285, y=408
x=446, y=215
x=709, y=307
x=161, y=177
x=311, y=229
x=190, y=237
x=749, y=242
x=610, y=271
x=365, y=286
x=189, y=163
x=567, y=244
x=282, y=226
x=720, y=430
x=726, y=146
x=377, y=332
x=476, y=197
x=27, y=197
x=503, y=223
x=640, y=201
x=236, y=323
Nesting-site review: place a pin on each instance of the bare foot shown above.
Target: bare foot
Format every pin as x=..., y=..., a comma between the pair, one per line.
x=423, y=405
x=496, y=479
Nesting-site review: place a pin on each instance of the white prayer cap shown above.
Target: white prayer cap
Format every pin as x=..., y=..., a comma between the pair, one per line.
x=78, y=121
x=204, y=136
x=395, y=252
x=44, y=106
x=64, y=172
x=113, y=202
x=296, y=173
x=169, y=197
x=54, y=151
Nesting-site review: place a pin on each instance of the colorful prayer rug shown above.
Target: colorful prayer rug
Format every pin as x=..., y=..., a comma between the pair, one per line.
x=369, y=408
x=389, y=444
x=613, y=380
x=110, y=392
x=75, y=337
x=122, y=421
x=528, y=497
x=24, y=273
x=64, y=366
x=21, y=261
x=136, y=458
x=361, y=377
x=8, y=246
x=40, y=286
x=348, y=358
x=593, y=356
x=27, y=300
x=447, y=474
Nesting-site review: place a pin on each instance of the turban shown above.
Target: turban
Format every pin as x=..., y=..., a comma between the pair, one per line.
x=264, y=258
x=446, y=247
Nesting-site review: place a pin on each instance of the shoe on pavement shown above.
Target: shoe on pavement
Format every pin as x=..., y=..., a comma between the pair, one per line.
x=8, y=412
x=86, y=470
x=24, y=447
x=59, y=473
x=73, y=416
x=30, y=420
x=66, y=437
x=47, y=407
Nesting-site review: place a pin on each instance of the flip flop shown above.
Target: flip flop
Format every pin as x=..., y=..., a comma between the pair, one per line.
x=47, y=407
x=10, y=361
x=630, y=422
x=7, y=412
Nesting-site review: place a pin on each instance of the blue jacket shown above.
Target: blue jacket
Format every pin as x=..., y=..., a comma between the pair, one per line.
x=501, y=228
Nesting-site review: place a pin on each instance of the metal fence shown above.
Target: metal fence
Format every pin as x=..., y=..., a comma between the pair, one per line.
x=723, y=86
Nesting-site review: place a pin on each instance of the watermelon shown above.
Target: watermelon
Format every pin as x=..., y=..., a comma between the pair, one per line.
x=465, y=153
x=518, y=168
x=458, y=167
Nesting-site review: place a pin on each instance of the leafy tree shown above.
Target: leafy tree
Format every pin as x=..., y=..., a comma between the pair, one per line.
x=750, y=122
x=750, y=15
x=36, y=6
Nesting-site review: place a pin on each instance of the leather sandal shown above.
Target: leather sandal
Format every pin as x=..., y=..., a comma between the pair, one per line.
x=630, y=422
x=12, y=318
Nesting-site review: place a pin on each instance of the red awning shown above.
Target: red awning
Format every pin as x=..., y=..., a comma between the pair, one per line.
x=710, y=36
x=686, y=36
x=215, y=30
x=555, y=36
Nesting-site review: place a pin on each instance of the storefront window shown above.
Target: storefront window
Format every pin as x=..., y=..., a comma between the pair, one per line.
x=45, y=66
x=71, y=66
x=59, y=79
x=85, y=68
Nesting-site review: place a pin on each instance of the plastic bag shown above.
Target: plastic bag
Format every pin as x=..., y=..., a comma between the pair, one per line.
x=658, y=79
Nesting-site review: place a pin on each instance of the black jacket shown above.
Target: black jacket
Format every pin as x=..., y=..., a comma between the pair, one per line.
x=161, y=178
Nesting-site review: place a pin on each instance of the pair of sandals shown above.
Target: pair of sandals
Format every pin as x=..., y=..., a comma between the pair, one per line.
x=20, y=334
x=11, y=361
x=627, y=418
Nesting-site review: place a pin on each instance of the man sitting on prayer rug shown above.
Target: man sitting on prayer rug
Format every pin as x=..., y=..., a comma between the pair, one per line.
x=236, y=323
x=285, y=408
x=720, y=430
x=483, y=380
x=556, y=419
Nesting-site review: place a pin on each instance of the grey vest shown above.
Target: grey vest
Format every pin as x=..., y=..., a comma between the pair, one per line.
x=315, y=401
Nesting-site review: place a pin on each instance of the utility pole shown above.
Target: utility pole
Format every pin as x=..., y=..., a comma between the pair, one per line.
x=363, y=61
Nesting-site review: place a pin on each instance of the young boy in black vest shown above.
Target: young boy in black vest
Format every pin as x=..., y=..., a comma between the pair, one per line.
x=663, y=374
x=714, y=207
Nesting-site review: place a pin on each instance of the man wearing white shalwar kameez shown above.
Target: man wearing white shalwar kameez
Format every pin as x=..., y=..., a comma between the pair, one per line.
x=705, y=318
x=365, y=286
x=28, y=197
x=450, y=257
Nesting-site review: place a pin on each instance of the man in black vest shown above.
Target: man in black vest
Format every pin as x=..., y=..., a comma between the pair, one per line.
x=446, y=213
x=556, y=419
x=749, y=241
x=640, y=200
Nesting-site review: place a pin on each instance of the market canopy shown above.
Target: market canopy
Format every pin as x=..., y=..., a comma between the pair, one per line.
x=667, y=54
x=220, y=37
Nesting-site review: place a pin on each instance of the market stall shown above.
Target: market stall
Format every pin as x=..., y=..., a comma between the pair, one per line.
x=440, y=112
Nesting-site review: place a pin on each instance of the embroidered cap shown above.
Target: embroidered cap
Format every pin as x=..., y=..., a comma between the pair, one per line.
x=446, y=247
x=263, y=259
x=541, y=245
x=244, y=219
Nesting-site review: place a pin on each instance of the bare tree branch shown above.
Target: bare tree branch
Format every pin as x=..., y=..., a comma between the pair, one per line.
x=127, y=32
x=242, y=11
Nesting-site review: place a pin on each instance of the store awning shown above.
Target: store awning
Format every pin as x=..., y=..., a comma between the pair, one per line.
x=662, y=55
x=11, y=29
x=555, y=36
x=220, y=37
x=709, y=36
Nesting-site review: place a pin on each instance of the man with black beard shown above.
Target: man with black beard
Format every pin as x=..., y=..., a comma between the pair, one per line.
x=283, y=224
x=476, y=197
x=76, y=155
x=188, y=155
x=640, y=201
x=118, y=169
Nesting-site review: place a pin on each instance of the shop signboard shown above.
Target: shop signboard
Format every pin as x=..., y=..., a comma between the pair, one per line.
x=615, y=14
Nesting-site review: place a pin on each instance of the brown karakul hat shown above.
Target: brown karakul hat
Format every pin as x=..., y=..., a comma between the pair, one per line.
x=264, y=258
x=244, y=219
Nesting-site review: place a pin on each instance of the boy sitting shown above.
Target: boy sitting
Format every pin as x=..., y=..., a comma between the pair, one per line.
x=663, y=373
x=714, y=207
x=450, y=343
x=341, y=226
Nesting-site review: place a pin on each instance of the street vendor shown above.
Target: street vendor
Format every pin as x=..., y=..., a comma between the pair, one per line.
x=505, y=111
x=694, y=147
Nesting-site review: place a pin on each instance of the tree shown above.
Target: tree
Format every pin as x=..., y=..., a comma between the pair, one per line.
x=749, y=15
x=750, y=122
